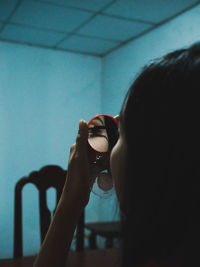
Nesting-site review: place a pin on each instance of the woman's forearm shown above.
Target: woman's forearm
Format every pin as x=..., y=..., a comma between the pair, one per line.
x=74, y=198
x=56, y=244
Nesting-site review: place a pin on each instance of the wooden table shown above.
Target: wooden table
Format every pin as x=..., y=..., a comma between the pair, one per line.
x=85, y=258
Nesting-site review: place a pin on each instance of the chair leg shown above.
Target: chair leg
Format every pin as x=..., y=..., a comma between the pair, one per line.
x=109, y=242
x=92, y=241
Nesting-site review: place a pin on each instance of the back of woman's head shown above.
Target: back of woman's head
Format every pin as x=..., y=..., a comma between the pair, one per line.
x=161, y=121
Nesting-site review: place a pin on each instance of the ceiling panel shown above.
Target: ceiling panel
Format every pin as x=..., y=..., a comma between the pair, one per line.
x=113, y=28
x=93, y=5
x=49, y=17
x=6, y=8
x=88, y=45
x=77, y=25
x=148, y=10
x=31, y=36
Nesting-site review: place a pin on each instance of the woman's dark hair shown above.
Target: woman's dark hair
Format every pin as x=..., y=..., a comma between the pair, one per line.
x=111, y=128
x=161, y=116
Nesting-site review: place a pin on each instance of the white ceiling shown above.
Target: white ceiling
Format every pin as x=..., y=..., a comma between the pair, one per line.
x=95, y=27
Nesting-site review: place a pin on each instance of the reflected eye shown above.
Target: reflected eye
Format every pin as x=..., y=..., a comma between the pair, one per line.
x=96, y=131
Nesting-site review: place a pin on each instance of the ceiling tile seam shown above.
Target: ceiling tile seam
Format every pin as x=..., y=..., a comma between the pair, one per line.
x=35, y=27
x=49, y=47
x=97, y=38
x=178, y=14
x=129, y=19
x=85, y=22
x=137, y=35
x=54, y=31
x=64, y=6
x=130, y=40
x=151, y=29
x=57, y=31
x=2, y=26
x=74, y=31
x=68, y=33
x=10, y=16
x=92, y=11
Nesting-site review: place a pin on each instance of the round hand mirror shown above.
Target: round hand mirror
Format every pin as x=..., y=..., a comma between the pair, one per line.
x=103, y=135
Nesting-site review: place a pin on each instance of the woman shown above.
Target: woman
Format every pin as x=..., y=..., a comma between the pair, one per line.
x=155, y=167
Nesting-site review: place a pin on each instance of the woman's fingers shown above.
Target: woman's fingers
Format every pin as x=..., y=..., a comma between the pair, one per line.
x=80, y=147
x=82, y=136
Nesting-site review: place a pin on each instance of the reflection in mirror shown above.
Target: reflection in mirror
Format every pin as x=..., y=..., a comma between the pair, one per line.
x=103, y=133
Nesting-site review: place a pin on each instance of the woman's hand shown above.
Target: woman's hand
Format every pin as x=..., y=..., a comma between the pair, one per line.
x=79, y=179
x=74, y=198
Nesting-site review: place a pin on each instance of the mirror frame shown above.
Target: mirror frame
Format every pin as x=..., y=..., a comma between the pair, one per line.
x=115, y=120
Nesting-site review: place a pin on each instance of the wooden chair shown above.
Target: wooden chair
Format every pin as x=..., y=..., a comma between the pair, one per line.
x=46, y=177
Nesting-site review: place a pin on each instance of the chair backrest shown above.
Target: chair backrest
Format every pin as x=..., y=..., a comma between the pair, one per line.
x=48, y=176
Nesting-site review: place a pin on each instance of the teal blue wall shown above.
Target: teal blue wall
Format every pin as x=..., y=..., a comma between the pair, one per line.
x=43, y=95
x=120, y=67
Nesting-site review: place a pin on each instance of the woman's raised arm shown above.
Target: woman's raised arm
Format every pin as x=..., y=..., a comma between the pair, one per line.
x=74, y=198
